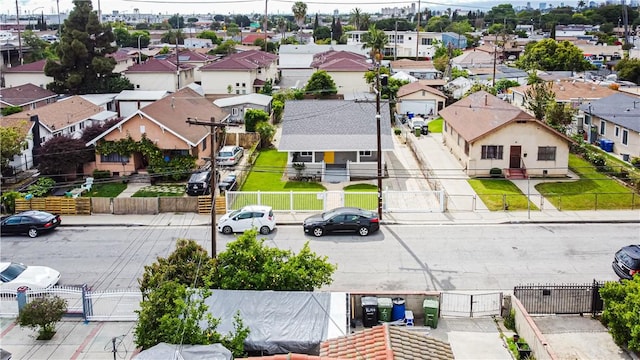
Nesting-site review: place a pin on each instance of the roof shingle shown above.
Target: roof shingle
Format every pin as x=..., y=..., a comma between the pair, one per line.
x=61, y=114
x=34, y=67
x=25, y=94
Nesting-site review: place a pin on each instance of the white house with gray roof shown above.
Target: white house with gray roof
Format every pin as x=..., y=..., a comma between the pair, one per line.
x=615, y=118
x=237, y=105
x=336, y=140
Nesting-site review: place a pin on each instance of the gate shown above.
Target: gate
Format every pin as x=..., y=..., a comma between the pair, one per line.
x=561, y=299
x=470, y=305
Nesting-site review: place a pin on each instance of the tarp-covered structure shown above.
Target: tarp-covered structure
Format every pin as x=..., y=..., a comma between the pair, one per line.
x=185, y=352
x=282, y=321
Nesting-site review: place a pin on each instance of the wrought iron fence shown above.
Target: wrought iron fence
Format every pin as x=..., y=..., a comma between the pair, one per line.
x=561, y=298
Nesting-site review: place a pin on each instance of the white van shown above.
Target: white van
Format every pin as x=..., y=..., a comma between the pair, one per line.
x=247, y=218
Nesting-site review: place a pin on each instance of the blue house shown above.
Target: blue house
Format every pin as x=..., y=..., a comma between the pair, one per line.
x=458, y=41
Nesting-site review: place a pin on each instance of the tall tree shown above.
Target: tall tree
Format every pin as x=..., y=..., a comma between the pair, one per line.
x=550, y=55
x=356, y=17
x=559, y=116
x=282, y=27
x=299, y=10
x=12, y=141
x=37, y=46
x=629, y=69
x=538, y=97
x=375, y=40
x=176, y=22
x=83, y=66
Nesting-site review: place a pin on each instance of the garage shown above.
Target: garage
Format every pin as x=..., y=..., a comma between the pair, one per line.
x=426, y=107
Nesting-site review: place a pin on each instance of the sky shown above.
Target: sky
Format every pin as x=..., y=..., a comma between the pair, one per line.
x=227, y=7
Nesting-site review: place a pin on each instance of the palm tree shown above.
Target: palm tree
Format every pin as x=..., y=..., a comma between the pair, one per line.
x=282, y=26
x=375, y=40
x=299, y=12
x=365, y=21
x=581, y=4
x=356, y=17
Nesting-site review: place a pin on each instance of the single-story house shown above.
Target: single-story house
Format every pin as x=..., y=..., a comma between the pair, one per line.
x=485, y=132
x=237, y=105
x=123, y=61
x=419, y=98
x=335, y=140
x=570, y=92
x=28, y=73
x=240, y=73
x=615, y=118
x=417, y=69
x=164, y=123
x=27, y=96
x=347, y=70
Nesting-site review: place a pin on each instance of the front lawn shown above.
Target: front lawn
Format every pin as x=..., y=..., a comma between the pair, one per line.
x=107, y=190
x=495, y=192
x=353, y=196
x=594, y=190
x=267, y=172
x=435, y=126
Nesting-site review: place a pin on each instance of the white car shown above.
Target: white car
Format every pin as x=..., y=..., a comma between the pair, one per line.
x=247, y=218
x=229, y=155
x=15, y=275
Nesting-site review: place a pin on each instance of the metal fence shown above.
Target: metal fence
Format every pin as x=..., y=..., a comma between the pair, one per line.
x=561, y=299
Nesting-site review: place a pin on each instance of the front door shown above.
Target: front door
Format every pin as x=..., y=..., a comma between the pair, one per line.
x=514, y=156
x=329, y=157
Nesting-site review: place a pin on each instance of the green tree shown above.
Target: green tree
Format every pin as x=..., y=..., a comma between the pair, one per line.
x=83, y=66
x=233, y=30
x=629, y=70
x=321, y=33
x=504, y=84
x=621, y=314
x=277, y=106
x=61, y=155
x=211, y=35
x=355, y=17
x=299, y=10
x=481, y=87
x=321, y=84
x=226, y=47
x=43, y=313
x=11, y=109
x=254, y=116
x=559, y=115
x=456, y=73
x=176, y=21
x=12, y=142
x=437, y=23
x=171, y=36
x=38, y=46
x=267, y=88
x=249, y=264
x=550, y=55
x=538, y=97
x=266, y=131
x=375, y=40
x=282, y=27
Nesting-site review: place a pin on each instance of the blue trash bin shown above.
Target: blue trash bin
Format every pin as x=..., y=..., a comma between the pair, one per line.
x=397, y=313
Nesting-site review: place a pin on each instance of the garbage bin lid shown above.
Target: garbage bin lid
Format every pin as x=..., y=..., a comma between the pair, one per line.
x=385, y=302
x=398, y=300
x=430, y=303
x=368, y=300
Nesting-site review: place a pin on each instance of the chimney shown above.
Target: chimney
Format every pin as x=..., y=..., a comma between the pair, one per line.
x=36, y=136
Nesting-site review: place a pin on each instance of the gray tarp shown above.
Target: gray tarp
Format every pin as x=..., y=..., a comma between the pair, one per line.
x=164, y=351
x=279, y=321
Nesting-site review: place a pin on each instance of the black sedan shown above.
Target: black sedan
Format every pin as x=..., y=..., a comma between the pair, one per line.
x=31, y=222
x=345, y=219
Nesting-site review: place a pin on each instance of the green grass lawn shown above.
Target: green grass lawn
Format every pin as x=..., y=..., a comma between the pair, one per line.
x=435, y=126
x=267, y=174
x=161, y=190
x=594, y=190
x=352, y=196
x=494, y=193
x=108, y=190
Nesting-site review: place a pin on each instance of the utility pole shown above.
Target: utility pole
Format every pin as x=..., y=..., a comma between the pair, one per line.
x=378, y=137
x=19, y=36
x=395, y=42
x=59, y=24
x=213, y=126
x=266, y=25
x=418, y=32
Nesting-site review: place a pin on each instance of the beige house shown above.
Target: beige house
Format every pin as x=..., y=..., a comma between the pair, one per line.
x=194, y=58
x=123, y=61
x=420, y=98
x=485, y=132
x=240, y=73
x=570, y=92
x=418, y=69
x=347, y=70
x=160, y=75
x=29, y=73
x=164, y=123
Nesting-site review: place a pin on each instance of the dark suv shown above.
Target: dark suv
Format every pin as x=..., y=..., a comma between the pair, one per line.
x=200, y=183
x=626, y=263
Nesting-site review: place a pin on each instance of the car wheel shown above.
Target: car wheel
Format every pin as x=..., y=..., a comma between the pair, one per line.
x=265, y=230
x=33, y=232
x=318, y=231
x=227, y=230
x=363, y=231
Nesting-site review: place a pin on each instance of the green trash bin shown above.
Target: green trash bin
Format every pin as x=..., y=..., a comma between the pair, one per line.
x=385, y=305
x=430, y=312
x=417, y=132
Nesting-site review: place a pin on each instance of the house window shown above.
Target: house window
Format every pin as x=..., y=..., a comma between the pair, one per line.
x=237, y=84
x=114, y=158
x=237, y=92
x=142, y=129
x=625, y=137
x=72, y=128
x=617, y=131
x=204, y=144
x=426, y=41
x=459, y=138
x=244, y=91
x=466, y=148
x=235, y=111
x=445, y=127
x=306, y=153
x=260, y=71
x=587, y=119
x=546, y=153
x=492, y=152
x=137, y=86
x=603, y=126
x=244, y=85
x=81, y=125
x=365, y=153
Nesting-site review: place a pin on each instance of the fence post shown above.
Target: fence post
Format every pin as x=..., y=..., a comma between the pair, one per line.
x=596, y=202
x=505, y=206
x=291, y=208
x=21, y=296
x=87, y=306
x=259, y=198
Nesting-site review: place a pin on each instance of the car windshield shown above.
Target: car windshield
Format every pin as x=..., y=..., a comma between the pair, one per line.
x=198, y=177
x=628, y=260
x=226, y=154
x=234, y=213
x=421, y=123
x=12, y=271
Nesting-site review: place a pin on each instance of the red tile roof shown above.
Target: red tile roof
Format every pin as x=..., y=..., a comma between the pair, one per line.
x=37, y=67
x=25, y=94
x=190, y=56
x=387, y=342
x=251, y=38
x=157, y=66
x=246, y=60
x=120, y=56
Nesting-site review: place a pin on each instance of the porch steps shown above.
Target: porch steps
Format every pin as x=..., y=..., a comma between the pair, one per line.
x=140, y=178
x=335, y=175
x=516, y=174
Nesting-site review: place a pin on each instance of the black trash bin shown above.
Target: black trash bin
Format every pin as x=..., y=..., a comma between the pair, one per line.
x=424, y=130
x=369, y=311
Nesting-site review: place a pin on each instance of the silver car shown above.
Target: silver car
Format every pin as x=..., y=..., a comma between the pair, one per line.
x=229, y=155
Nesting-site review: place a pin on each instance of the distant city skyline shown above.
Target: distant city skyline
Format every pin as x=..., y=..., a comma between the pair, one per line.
x=227, y=7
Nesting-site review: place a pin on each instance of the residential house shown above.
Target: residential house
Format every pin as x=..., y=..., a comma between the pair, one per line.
x=24, y=160
x=32, y=73
x=164, y=123
x=105, y=101
x=123, y=61
x=240, y=73
x=577, y=31
x=474, y=58
x=403, y=43
x=252, y=37
x=129, y=101
x=456, y=41
x=347, y=70
x=615, y=118
x=417, y=69
x=196, y=59
x=197, y=43
x=237, y=105
x=484, y=132
x=386, y=342
x=420, y=98
x=27, y=96
x=157, y=74
x=316, y=133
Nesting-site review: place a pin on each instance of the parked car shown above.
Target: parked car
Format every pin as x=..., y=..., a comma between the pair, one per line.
x=249, y=217
x=626, y=262
x=32, y=223
x=345, y=219
x=229, y=155
x=229, y=183
x=14, y=275
x=200, y=183
x=49, y=37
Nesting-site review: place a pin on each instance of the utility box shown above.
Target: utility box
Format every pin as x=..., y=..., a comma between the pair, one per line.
x=431, y=307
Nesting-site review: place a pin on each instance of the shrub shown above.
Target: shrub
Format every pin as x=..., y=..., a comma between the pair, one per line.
x=620, y=313
x=42, y=187
x=510, y=320
x=495, y=172
x=101, y=174
x=43, y=314
x=9, y=201
x=397, y=131
x=636, y=161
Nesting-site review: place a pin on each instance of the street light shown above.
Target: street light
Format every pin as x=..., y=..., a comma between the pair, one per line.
x=139, y=56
